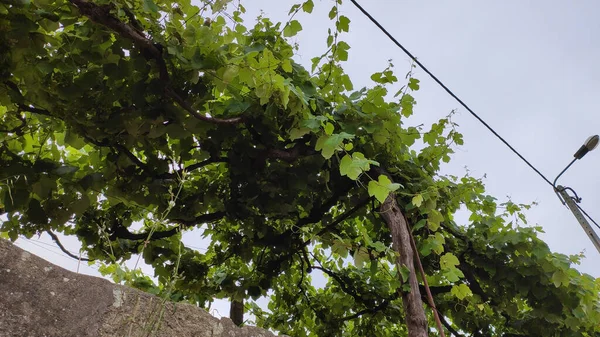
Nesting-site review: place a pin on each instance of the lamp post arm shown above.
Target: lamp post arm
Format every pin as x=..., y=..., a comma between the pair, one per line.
x=563, y=171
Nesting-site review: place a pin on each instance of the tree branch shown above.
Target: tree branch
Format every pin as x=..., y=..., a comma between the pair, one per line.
x=101, y=15
x=449, y=326
x=341, y=218
x=203, y=163
x=122, y=232
x=435, y=290
x=59, y=244
x=345, y=286
x=372, y=310
x=392, y=215
x=187, y=107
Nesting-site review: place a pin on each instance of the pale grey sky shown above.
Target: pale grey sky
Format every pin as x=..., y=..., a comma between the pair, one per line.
x=529, y=68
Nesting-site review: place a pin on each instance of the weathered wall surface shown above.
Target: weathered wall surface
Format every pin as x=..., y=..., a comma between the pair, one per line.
x=39, y=299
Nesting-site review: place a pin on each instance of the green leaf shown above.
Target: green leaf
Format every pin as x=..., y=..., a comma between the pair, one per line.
x=413, y=84
x=308, y=6
x=65, y=170
x=43, y=187
x=434, y=219
x=92, y=180
x=296, y=133
x=417, y=200
x=342, y=51
x=329, y=128
x=353, y=166
x=448, y=260
x=329, y=144
x=382, y=188
x=407, y=103
x=292, y=28
x=405, y=273
x=448, y=263
x=343, y=24
x=346, y=82
x=81, y=205
x=559, y=278
x=286, y=65
x=373, y=268
x=361, y=256
x=461, y=291
x=47, y=15
x=150, y=6
x=15, y=198
x=72, y=139
x=36, y=213
x=379, y=246
x=420, y=224
x=333, y=12
x=294, y=8
x=340, y=249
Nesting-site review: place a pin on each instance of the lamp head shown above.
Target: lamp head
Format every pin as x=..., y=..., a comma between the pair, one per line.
x=590, y=144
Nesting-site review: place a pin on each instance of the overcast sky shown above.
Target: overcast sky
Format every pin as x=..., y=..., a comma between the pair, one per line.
x=529, y=68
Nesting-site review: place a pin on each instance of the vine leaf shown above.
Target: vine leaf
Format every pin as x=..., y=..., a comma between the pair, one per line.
x=381, y=188
x=417, y=200
x=292, y=28
x=461, y=291
x=308, y=6
x=328, y=144
x=353, y=166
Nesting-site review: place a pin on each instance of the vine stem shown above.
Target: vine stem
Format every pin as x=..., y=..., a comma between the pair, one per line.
x=417, y=258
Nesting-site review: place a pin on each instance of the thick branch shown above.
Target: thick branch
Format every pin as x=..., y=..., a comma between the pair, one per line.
x=315, y=215
x=449, y=326
x=236, y=312
x=348, y=289
x=187, y=107
x=131, y=156
x=121, y=232
x=436, y=290
x=203, y=163
x=101, y=15
x=372, y=310
x=59, y=244
x=19, y=128
x=424, y=277
x=416, y=320
x=290, y=155
x=38, y=111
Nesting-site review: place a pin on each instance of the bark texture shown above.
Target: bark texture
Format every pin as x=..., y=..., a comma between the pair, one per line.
x=236, y=312
x=416, y=321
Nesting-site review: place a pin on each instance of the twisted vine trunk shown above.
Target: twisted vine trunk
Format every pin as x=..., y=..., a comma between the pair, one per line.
x=416, y=321
x=236, y=312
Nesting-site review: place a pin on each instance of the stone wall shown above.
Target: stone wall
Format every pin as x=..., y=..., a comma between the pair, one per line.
x=39, y=299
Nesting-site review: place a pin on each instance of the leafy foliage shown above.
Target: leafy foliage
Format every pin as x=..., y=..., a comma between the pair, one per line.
x=119, y=114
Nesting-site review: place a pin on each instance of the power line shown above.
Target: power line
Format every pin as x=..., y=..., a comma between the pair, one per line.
x=407, y=52
x=38, y=242
x=446, y=88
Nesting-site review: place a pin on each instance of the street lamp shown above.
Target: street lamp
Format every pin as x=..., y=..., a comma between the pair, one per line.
x=590, y=144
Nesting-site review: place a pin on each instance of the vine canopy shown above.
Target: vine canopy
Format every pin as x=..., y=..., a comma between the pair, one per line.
x=131, y=123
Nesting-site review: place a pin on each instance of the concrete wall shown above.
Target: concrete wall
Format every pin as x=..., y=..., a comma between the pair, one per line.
x=39, y=299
